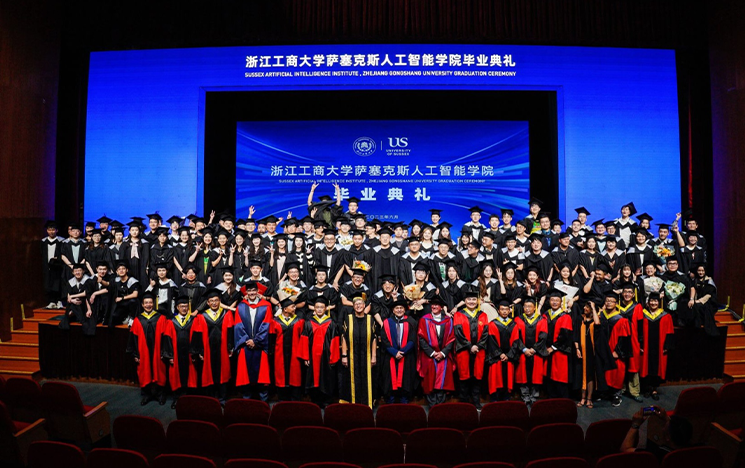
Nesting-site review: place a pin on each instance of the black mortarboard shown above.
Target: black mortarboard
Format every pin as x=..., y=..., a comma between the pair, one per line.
x=191, y=266
x=321, y=299
x=161, y=230
x=563, y=235
x=286, y=303
x=290, y=265
x=535, y=237
x=557, y=222
x=214, y=292
x=96, y=231
x=387, y=279
x=115, y=224
x=228, y=217
x=543, y=214
x=444, y=225
x=329, y=231
x=688, y=215
x=466, y=230
x=691, y=233
x=598, y=222
x=628, y=285
x=400, y=301
x=133, y=224
x=644, y=216
x=147, y=295
x=664, y=226
x=385, y=230
x=345, y=220
x=526, y=223
x=249, y=285
x=121, y=263
x=171, y=220
x=50, y=224
x=504, y=303
x=535, y=201
x=271, y=219
x=358, y=272
x=155, y=216
x=104, y=219
x=427, y=226
x=435, y=211
x=611, y=293
x=563, y=264
x=253, y=263
x=643, y=231
x=182, y=299
x=102, y=263
x=475, y=242
x=421, y=266
x=208, y=230
x=306, y=219
x=475, y=209
x=653, y=295
x=353, y=200
x=416, y=222
x=437, y=300
x=507, y=211
x=319, y=223
x=357, y=232
x=192, y=217
x=471, y=292
x=602, y=266
x=75, y=266
x=250, y=220
x=611, y=239
x=323, y=268
x=413, y=239
x=488, y=234
x=510, y=236
x=509, y=266
x=632, y=208
x=90, y=224
x=241, y=232
x=582, y=209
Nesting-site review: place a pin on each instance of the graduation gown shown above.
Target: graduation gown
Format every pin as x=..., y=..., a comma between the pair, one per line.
x=656, y=336
x=51, y=254
x=319, y=344
x=314, y=292
x=102, y=304
x=165, y=294
x=145, y=344
x=543, y=261
x=503, y=338
x=470, y=330
x=176, y=344
x=253, y=364
x=615, y=261
x=596, y=357
x=471, y=267
x=436, y=375
x=399, y=374
x=619, y=341
x=628, y=312
x=284, y=335
x=332, y=259
x=532, y=332
x=556, y=366
x=348, y=291
x=357, y=378
x=194, y=291
x=385, y=262
x=380, y=305
x=453, y=293
x=72, y=287
x=213, y=339
x=438, y=267
x=570, y=255
x=137, y=256
x=125, y=307
x=162, y=254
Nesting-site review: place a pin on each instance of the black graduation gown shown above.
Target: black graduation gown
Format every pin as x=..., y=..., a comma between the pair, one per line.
x=52, y=264
x=314, y=292
x=364, y=253
x=453, y=293
x=595, y=357
x=380, y=305
x=357, y=379
x=72, y=287
x=471, y=267
x=570, y=255
x=704, y=313
x=94, y=255
x=125, y=307
x=543, y=261
x=691, y=258
x=322, y=371
x=438, y=268
x=102, y=304
x=67, y=251
x=171, y=290
x=406, y=267
x=333, y=260
x=195, y=291
x=637, y=257
x=137, y=265
x=398, y=374
x=204, y=264
x=615, y=261
x=385, y=262
x=348, y=291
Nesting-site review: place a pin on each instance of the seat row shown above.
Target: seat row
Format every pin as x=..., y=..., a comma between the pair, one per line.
x=61, y=455
x=371, y=446
x=403, y=418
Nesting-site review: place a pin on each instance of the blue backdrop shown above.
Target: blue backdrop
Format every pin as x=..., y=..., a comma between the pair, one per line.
x=398, y=169
x=618, y=137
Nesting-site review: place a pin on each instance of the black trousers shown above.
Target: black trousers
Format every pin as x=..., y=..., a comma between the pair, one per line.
x=556, y=389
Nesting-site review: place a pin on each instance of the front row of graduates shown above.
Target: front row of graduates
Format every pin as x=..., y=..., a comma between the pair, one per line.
x=359, y=360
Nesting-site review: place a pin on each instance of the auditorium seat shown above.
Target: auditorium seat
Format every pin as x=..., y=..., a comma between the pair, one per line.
x=182, y=461
x=408, y=465
x=486, y=464
x=265, y=442
x=371, y=447
x=496, y=443
x=731, y=406
x=402, y=418
x=343, y=417
x=239, y=410
x=698, y=405
x=287, y=414
x=194, y=438
x=142, y=434
x=605, y=437
x=116, y=458
x=253, y=463
x=48, y=454
x=69, y=419
x=553, y=410
x=17, y=436
x=630, y=459
x=693, y=457
x=329, y=465
x=24, y=399
x=555, y=440
x=461, y=416
x=729, y=443
x=505, y=413
x=559, y=462
x=199, y=408
x=306, y=444
x=436, y=446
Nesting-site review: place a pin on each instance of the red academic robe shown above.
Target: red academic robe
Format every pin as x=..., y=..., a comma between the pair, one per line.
x=149, y=371
x=467, y=364
x=169, y=375
x=619, y=336
x=253, y=364
x=497, y=377
x=633, y=363
x=319, y=344
x=539, y=330
x=200, y=326
x=666, y=328
x=287, y=365
x=556, y=366
x=436, y=375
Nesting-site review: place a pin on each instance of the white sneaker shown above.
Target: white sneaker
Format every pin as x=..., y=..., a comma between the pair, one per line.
x=51, y=305
x=59, y=305
x=130, y=322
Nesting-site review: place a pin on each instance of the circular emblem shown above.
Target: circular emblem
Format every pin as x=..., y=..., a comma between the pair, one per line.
x=364, y=146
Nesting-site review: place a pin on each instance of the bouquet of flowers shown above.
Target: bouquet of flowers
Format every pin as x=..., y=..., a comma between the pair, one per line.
x=346, y=242
x=653, y=284
x=288, y=291
x=361, y=265
x=412, y=293
x=673, y=291
x=663, y=252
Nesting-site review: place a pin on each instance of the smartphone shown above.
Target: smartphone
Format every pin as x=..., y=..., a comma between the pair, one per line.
x=649, y=411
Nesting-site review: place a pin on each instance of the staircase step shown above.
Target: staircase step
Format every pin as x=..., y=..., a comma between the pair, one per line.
x=6, y=374
x=19, y=349
x=25, y=336
x=18, y=365
x=30, y=325
x=735, y=339
x=723, y=315
x=47, y=313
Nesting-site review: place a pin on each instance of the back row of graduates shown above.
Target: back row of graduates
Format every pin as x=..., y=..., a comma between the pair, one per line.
x=356, y=359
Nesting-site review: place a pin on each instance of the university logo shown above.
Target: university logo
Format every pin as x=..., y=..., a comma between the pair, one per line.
x=364, y=146
x=398, y=142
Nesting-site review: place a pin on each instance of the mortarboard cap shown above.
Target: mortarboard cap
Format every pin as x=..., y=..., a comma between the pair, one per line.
x=353, y=200
x=104, y=219
x=171, y=220
x=285, y=303
x=435, y=211
x=507, y=211
x=644, y=216
x=50, y=224
x=444, y=225
x=214, y=292
x=155, y=216
x=581, y=210
x=271, y=219
x=184, y=299
x=387, y=279
x=631, y=207
x=475, y=209
x=598, y=222
x=421, y=266
x=147, y=295
x=535, y=201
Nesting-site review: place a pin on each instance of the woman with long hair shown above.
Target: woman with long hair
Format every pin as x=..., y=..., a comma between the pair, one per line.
x=488, y=289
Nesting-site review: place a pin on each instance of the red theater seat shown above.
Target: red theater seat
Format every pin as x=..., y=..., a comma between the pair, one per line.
x=698, y=405
x=116, y=458
x=239, y=410
x=264, y=442
x=553, y=410
x=627, y=460
x=287, y=414
x=505, y=413
x=69, y=419
x=344, y=417
x=306, y=444
x=401, y=418
x=24, y=399
x=461, y=416
x=371, y=447
x=605, y=437
x=693, y=457
x=16, y=437
x=194, y=438
x=199, y=408
x=504, y=444
x=437, y=446
x=555, y=440
x=47, y=454
x=142, y=434
x=731, y=406
x=182, y=461
x=559, y=462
